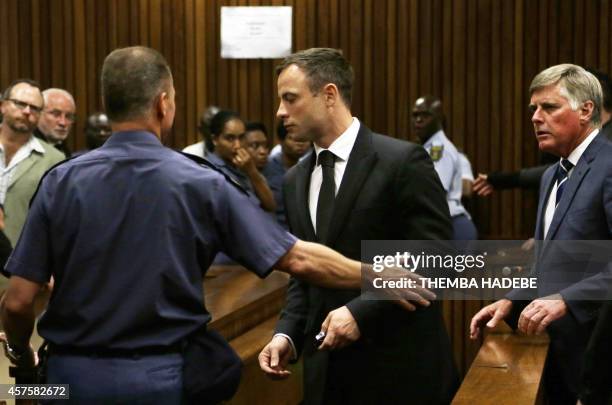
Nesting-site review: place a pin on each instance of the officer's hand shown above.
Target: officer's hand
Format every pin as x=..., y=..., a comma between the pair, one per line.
x=340, y=329
x=489, y=316
x=274, y=358
x=408, y=297
x=27, y=359
x=540, y=313
x=481, y=186
x=244, y=161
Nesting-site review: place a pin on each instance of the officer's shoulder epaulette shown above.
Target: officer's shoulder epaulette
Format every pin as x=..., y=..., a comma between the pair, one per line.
x=207, y=163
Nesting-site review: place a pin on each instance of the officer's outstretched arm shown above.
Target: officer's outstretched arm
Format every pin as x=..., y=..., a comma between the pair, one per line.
x=320, y=265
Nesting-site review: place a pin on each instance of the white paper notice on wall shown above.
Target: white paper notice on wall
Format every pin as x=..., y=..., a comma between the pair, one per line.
x=255, y=32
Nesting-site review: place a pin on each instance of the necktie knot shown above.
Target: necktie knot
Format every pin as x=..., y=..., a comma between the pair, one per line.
x=562, y=172
x=566, y=166
x=326, y=159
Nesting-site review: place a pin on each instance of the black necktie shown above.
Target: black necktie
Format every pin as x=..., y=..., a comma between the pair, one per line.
x=327, y=194
x=562, y=171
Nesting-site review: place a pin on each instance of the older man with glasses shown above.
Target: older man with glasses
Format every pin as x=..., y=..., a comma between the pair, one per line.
x=56, y=119
x=23, y=158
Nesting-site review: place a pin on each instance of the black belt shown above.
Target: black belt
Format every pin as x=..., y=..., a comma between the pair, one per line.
x=111, y=352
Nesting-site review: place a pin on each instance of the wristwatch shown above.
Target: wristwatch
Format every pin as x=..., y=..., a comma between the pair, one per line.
x=13, y=353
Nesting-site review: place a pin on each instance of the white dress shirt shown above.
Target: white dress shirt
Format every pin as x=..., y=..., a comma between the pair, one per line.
x=341, y=148
x=6, y=171
x=574, y=157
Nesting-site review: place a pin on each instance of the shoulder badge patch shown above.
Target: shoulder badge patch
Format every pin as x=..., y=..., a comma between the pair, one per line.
x=436, y=152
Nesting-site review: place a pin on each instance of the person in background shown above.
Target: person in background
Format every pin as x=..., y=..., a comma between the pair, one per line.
x=529, y=178
x=202, y=148
x=57, y=119
x=97, y=131
x=230, y=155
x=427, y=121
x=257, y=143
x=23, y=157
x=292, y=150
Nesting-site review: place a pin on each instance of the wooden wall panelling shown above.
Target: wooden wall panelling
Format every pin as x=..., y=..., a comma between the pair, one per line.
x=515, y=94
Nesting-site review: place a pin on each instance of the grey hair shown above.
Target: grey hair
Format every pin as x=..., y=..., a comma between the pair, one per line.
x=48, y=92
x=576, y=85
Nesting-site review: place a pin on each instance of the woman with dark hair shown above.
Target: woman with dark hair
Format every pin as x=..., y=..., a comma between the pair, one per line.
x=230, y=155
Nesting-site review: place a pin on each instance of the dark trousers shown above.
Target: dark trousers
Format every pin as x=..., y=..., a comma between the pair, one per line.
x=464, y=228
x=156, y=379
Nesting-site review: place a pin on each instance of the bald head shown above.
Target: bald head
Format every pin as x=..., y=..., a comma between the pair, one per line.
x=58, y=115
x=427, y=117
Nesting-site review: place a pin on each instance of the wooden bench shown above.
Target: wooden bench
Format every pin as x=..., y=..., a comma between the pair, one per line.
x=245, y=310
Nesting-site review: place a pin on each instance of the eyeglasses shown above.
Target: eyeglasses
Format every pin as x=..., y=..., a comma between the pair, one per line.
x=57, y=114
x=22, y=106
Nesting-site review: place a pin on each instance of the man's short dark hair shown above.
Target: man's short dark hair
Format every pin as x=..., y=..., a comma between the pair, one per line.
x=131, y=80
x=323, y=66
x=7, y=92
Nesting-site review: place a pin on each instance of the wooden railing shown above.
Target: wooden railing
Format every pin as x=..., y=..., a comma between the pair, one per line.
x=508, y=369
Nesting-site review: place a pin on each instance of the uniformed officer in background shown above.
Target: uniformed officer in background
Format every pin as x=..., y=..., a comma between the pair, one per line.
x=128, y=231
x=427, y=120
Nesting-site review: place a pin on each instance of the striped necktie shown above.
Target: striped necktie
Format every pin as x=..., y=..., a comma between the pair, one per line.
x=562, y=171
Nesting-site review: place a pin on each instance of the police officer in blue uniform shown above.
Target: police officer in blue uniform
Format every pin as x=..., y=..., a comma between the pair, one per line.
x=427, y=121
x=127, y=232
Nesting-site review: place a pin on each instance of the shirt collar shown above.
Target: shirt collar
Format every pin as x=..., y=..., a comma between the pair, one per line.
x=343, y=145
x=434, y=137
x=35, y=145
x=132, y=137
x=574, y=157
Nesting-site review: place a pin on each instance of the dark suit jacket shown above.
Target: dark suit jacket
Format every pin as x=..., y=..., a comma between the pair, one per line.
x=597, y=376
x=389, y=190
x=584, y=213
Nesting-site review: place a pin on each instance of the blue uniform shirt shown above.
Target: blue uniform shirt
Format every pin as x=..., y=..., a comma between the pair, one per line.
x=446, y=162
x=236, y=174
x=128, y=231
x=274, y=172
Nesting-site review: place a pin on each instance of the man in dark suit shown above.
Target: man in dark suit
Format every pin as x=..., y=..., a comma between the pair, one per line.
x=575, y=204
x=597, y=375
x=355, y=186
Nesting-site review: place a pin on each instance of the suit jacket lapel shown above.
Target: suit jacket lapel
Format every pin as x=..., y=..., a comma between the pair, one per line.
x=302, y=186
x=573, y=183
x=23, y=167
x=359, y=165
x=549, y=182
